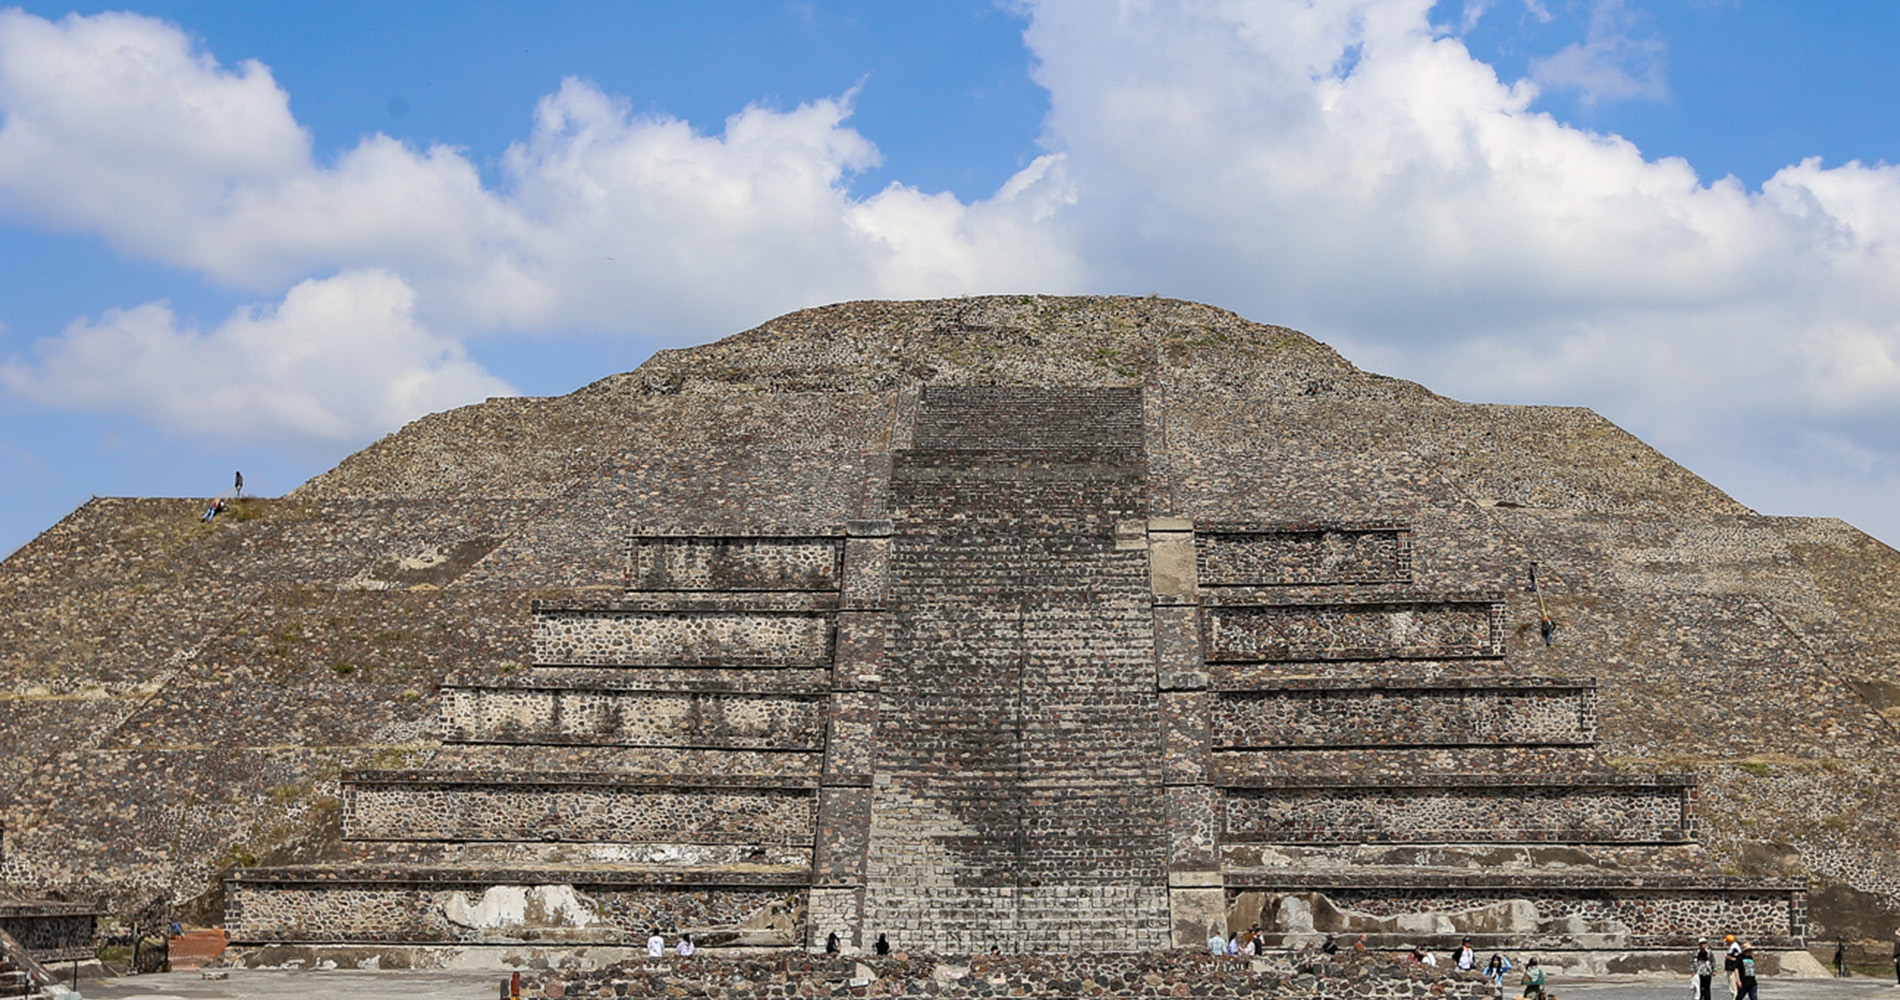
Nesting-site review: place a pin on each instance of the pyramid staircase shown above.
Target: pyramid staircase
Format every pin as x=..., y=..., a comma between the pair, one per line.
x=1349, y=754
x=1016, y=710
x=662, y=764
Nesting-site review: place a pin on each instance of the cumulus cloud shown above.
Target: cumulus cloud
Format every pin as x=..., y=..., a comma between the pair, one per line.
x=1344, y=166
x=602, y=214
x=341, y=359
x=1612, y=63
x=1341, y=165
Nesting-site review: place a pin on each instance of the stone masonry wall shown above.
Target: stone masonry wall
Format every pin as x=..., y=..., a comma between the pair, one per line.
x=1313, y=556
x=1336, y=716
x=608, y=812
x=393, y=912
x=632, y=718
x=1527, y=917
x=733, y=564
x=612, y=637
x=1353, y=632
x=52, y=938
x=1473, y=811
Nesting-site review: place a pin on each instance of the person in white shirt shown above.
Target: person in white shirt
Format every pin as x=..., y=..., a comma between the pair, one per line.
x=685, y=947
x=1467, y=959
x=656, y=945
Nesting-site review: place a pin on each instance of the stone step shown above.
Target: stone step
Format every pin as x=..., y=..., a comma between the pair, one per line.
x=577, y=807
x=1518, y=910
x=1423, y=627
x=1474, y=808
x=1616, y=861
x=735, y=563
x=530, y=713
x=797, y=767
x=641, y=633
x=1302, y=555
x=1344, y=713
x=534, y=855
x=604, y=904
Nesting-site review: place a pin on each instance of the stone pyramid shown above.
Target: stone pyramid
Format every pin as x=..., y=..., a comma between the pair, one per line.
x=1026, y=623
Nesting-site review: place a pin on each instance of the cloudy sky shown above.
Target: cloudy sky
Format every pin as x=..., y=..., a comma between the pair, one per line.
x=258, y=236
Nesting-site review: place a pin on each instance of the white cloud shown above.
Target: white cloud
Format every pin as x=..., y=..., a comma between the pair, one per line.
x=603, y=215
x=1612, y=63
x=1413, y=207
x=1334, y=164
x=340, y=360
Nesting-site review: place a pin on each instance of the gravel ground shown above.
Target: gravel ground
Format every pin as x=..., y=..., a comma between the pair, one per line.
x=271, y=984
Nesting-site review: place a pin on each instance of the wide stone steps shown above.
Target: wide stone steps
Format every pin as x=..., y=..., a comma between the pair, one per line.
x=542, y=904
x=539, y=712
x=1486, y=808
x=576, y=807
x=1326, y=713
x=1501, y=909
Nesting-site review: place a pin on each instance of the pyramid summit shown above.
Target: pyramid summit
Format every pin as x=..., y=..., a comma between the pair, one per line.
x=1028, y=623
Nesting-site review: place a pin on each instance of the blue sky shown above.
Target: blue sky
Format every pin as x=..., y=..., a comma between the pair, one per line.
x=259, y=236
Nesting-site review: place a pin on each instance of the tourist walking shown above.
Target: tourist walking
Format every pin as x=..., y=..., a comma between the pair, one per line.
x=1704, y=969
x=1896, y=958
x=1731, y=961
x=883, y=946
x=656, y=945
x=1840, y=957
x=1745, y=975
x=1533, y=979
x=685, y=947
x=1466, y=958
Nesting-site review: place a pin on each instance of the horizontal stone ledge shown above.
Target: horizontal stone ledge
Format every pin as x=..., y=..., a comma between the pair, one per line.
x=1243, y=597
x=793, y=691
x=1354, y=782
x=579, y=779
x=1269, y=879
x=1364, y=684
x=698, y=602
x=355, y=876
x=868, y=528
x=12, y=908
x=586, y=740
x=1294, y=527
x=1351, y=654
x=1325, y=743
x=747, y=533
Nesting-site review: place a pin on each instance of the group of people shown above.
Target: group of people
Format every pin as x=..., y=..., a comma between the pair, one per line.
x=882, y=947
x=1738, y=966
x=656, y=945
x=1244, y=944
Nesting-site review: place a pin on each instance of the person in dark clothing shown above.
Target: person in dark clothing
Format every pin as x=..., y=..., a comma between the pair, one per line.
x=1840, y=958
x=1896, y=958
x=831, y=943
x=1331, y=947
x=1745, y=976
x=883, y=946
x=1704, y=969
x=1731, y=960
